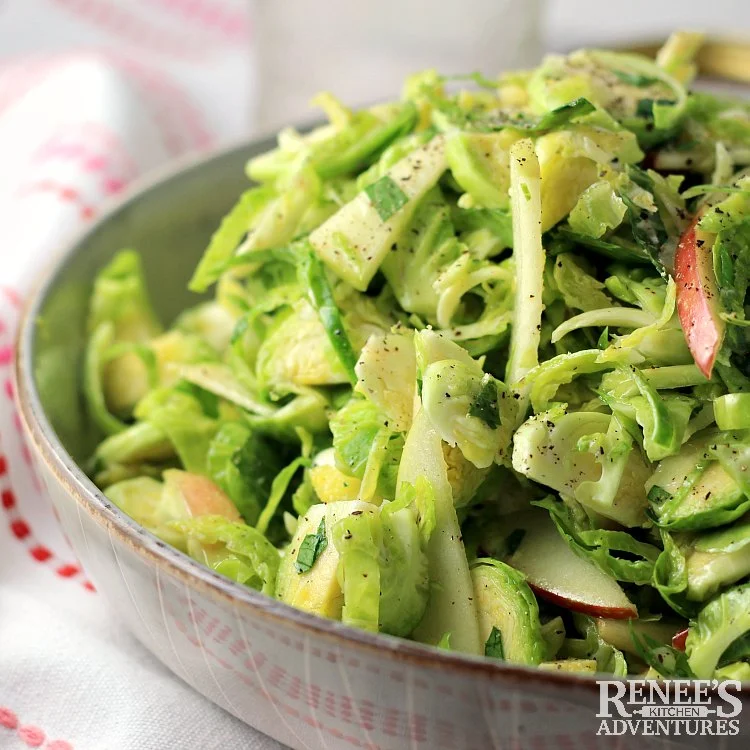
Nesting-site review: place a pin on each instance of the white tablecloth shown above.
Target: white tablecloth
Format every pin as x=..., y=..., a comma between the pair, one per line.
x=93, y=94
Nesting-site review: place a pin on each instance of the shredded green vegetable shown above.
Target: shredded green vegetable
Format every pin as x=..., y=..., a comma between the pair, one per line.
x=476, y=371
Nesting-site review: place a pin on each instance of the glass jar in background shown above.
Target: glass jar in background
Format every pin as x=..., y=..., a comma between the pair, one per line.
x=361, y=50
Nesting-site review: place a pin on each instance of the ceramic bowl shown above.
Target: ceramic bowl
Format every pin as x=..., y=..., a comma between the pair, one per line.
x=308, y=682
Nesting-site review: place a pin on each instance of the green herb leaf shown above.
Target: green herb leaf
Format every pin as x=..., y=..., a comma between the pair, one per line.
x=386, y=196
x=645, y=107
x=658, y=495
x=636, y=79
x=312, y=548
x=603, y=341
x=240, y=329
x=494, y=645
x=484, y=406
x=564, y=114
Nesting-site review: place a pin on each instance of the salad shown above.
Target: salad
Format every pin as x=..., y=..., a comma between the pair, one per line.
x=475, y=371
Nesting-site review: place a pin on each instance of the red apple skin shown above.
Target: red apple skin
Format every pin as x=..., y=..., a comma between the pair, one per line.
x=678, y=639
x=698, y=297
x=611, y=613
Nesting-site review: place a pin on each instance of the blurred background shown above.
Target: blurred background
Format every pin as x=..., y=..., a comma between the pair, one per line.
x=246, y=65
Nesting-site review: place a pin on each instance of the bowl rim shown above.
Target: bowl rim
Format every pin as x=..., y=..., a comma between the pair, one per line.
x=147, y=546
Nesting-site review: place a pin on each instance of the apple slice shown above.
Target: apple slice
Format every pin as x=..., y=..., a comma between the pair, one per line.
x=199, y=495
x=678, y=639
x=698, y=297
x=557, y=574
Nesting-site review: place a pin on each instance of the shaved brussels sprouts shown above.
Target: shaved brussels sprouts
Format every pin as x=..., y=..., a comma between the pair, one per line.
x=474, y=371
x=350, y=560
x=451, y=607
x=588, y=456
x=721, y=622
x=235, y=550
x=355, y=240
x=386, y=375
x=505, y=604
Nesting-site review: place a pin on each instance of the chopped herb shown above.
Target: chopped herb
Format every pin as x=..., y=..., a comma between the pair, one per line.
x=645, y=107
x=635, y=79
x=240, y=329
x=525, y=190
x=562, y=115
x=312, y=548
x=484, y=406
x=494, y=645
x=658, y=495
x=603, y=341
x=386, y=196
x=513, y=540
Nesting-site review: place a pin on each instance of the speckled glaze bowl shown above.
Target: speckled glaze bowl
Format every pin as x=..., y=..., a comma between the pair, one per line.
x=308, y=682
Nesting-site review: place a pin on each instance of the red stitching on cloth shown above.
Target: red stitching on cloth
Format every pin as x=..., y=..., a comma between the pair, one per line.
x=212, y=16
x=24, y=77
x=40, y=553
x=29, y=734
x=181, y=123
x=124, y=25
x=13, y=297
x=32, y=736
x=170, y=105
x=21, y=530
x=95, y=148
x=66, y=571
x=67, y=194
x=19, y=526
